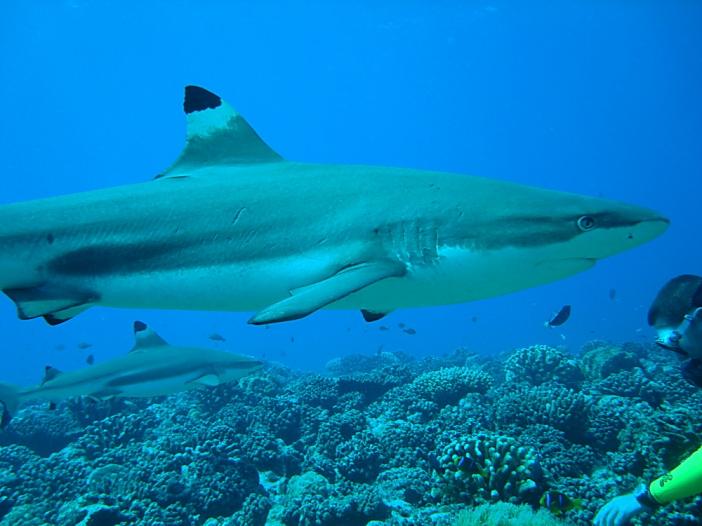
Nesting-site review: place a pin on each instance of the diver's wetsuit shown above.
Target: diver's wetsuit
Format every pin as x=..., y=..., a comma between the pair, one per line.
x=683, y=481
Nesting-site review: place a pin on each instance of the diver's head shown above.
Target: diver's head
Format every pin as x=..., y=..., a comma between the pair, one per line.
x=676, y=314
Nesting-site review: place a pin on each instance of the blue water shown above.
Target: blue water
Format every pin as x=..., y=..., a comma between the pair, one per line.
x=601, y=98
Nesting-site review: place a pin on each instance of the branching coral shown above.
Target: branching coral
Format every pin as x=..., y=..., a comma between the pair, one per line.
x=489, y=468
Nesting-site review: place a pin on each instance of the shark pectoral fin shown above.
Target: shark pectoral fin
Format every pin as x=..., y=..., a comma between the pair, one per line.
x=216, y=135
x=306, y=300
x=105, y=394
x=55, y=304
x=210, y=380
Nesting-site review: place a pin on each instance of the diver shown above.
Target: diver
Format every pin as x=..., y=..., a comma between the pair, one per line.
x=676, y=314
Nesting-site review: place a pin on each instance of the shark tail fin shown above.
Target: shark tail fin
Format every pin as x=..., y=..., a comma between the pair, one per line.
x=217, y=135
x=9, y=399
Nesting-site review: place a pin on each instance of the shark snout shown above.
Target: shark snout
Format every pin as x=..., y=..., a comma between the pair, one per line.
x=646, y=224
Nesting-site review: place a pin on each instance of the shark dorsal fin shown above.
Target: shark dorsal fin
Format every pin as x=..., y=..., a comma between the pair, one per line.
x=145, y=338
x=50, y=373
x=217, y=135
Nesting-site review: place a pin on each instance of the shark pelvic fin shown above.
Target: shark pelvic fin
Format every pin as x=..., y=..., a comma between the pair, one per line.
x=145, y=338
x=371, y=316
x=210, y=380
x=306, y=300
x=105, y=394
x=55, y=304
x=217, y=135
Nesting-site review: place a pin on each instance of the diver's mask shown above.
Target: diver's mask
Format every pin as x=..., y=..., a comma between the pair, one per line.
x=687, y=338
x=687, y=341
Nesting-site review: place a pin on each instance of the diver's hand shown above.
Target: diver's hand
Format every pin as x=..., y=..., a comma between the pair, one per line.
x=618, y=511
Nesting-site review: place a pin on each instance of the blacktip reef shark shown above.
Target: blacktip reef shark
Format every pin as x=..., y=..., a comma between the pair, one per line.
x=233, y=226
x=151, y=368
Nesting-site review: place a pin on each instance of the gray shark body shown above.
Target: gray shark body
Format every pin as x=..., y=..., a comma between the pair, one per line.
x=233, y=226
x=151, y=368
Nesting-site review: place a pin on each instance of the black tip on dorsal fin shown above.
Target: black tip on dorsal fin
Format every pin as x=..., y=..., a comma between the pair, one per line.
x=198, y=99
x=50, y=373
x=144, y=337
x=217, y=135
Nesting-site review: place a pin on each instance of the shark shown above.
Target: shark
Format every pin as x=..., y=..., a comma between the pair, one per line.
x=233, y=226
x=151, y=368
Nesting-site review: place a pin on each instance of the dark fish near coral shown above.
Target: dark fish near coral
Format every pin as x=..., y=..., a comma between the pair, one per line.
x=474, y=319
x=383, y=328
x=409, y=330
x=559, y=503
x=84, y=345
x=560, y=318
x=612, y=294
x=401, y=325
x=90, y=359
x=292, y=339
x=216, y=337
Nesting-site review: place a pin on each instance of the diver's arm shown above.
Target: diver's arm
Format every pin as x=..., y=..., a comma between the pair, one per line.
x=684, y=481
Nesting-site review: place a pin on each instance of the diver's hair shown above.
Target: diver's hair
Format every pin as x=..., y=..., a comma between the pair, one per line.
x=9, y=398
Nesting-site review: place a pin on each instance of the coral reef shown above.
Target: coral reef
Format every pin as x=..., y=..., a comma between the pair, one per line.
x=506, y=514
x=539, y=364
x=384, y=440
x=489, y=468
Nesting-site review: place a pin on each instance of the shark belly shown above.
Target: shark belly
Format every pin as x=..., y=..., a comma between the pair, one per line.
x=461, y=275
x=229, y=285
x=160, y=386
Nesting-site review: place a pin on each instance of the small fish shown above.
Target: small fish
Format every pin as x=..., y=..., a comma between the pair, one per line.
x=292, y=339
x=474, y=319
x=401, y=325
x=84, y=345
x=468, y=464
x=410, y=331
x=558, y=503
x=612, y=294
x=560, y=318
x=383, y=328
x=90, y=359
x=60, y=347
x=216, y=337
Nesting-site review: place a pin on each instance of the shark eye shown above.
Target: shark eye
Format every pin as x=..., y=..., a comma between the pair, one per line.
x=586, y=223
